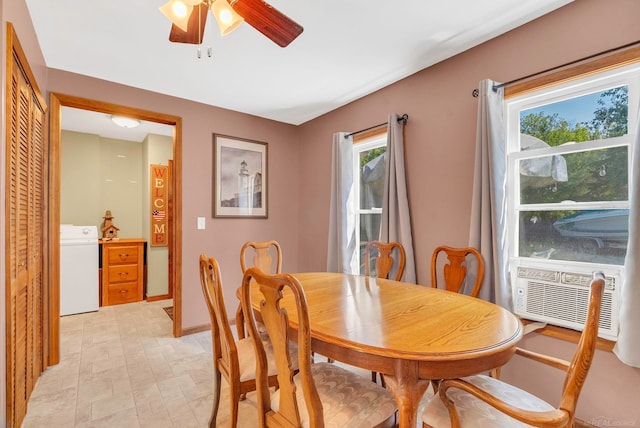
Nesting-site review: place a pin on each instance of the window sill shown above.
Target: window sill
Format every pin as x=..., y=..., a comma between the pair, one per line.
x=570, y=335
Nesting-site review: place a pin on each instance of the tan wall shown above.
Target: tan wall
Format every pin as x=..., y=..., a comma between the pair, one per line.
x=121, y=185
x=80, y=179
x=439, y=144
x=157, y=150
x=100, y=174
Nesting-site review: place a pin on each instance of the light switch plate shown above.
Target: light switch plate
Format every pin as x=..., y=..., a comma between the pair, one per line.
x=201, y=223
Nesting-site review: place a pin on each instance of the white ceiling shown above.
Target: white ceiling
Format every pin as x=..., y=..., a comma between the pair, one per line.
x=90, y=122
x=349, y=48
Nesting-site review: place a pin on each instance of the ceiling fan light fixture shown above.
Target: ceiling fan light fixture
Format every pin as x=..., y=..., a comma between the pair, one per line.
x=227, y=18
x=178, y=12
x=125, y=122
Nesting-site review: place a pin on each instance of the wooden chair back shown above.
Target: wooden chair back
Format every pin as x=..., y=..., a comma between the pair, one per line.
x=518, y=405
x=382, y=251
x=581, y=362
x=455, y=273
x=229, y=356
x=224, y=346
x=276, y=321
x=262, y=256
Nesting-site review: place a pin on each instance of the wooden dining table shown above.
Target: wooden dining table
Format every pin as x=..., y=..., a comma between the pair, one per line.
x=411, y=333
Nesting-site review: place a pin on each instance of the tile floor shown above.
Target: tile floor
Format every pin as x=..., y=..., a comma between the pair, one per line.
x=121, y=367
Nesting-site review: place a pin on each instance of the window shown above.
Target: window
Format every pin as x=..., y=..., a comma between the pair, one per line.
x=568, y=185
x=569, y=168
x=368, y=167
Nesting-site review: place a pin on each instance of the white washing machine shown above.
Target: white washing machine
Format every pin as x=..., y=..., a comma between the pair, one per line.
x=78, y=269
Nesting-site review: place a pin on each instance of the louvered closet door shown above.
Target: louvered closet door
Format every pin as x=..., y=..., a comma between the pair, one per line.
x=35, y=242
x=25, y=218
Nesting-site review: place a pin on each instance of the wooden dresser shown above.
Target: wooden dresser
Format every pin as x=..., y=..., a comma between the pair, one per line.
x=122, y=271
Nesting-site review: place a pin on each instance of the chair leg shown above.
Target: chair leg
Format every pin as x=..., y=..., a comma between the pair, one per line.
x=374, y=379
x=235, y=399
x=216, y=398
x=240, y=322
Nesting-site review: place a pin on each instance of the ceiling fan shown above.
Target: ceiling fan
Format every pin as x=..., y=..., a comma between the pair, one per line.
x=190, y=16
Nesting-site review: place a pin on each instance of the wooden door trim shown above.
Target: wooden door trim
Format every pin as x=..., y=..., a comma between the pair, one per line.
x=57, y=101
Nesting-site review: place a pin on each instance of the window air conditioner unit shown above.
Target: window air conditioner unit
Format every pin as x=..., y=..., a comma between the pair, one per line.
x=558, y=293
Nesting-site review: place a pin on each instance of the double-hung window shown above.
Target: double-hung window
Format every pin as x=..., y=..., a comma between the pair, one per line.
x=368, y=172
x=568, y=184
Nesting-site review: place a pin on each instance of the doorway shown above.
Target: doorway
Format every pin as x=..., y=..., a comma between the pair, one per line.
x=174, y=214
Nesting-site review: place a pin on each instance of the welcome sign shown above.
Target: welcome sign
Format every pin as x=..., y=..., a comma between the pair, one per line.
x=159, y=182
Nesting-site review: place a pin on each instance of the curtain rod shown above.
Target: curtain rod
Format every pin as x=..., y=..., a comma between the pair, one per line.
x=402, y=118
x=475, y=93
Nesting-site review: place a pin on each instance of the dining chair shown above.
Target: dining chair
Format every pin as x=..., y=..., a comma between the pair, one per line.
x=261, y=255
x=235, y=360
x=321, y=393
x=384, y=260
x=382, y=253
x=482, y=401
x=456, y=272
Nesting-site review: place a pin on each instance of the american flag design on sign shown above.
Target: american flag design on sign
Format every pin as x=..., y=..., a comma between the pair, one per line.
x=158, y=215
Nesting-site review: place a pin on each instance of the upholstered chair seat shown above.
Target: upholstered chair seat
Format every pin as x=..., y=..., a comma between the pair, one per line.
x=476, y=413
x=344, y=395
x=247, y=358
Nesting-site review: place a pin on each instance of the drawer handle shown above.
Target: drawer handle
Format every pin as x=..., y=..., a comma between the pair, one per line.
x=123, y=274
x=124, y=256
x=123, y=291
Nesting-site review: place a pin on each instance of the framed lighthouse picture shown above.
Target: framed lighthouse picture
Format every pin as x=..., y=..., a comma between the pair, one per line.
x=240, y=179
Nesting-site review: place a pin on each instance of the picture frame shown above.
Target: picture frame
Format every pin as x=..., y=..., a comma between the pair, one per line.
x=240, y=177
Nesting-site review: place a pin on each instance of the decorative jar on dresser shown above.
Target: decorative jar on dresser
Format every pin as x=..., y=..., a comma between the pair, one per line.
x=122, y=271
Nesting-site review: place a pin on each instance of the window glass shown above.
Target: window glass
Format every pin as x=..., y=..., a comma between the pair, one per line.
x=371, y=173
x=599, y=115
x=569, y=149
x=369, y=168
x=592, y=236
x=594, y=175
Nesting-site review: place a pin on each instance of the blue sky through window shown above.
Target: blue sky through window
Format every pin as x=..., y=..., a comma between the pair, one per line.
x=575, y=110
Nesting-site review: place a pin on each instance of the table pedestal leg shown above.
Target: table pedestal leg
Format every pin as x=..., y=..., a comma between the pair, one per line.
x=408, y=389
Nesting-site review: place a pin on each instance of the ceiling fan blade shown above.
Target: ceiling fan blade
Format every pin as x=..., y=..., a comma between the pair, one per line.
x=195, y=27
x=268, y=20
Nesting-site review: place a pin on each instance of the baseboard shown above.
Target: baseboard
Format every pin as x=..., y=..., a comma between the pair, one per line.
x=156, y=298
x=196, y=329
x=205, y=327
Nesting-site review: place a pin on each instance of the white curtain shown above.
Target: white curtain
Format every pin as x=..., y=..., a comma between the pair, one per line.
x=396, y=221
x=488, y=230
x=341, y=253
x=628, y=345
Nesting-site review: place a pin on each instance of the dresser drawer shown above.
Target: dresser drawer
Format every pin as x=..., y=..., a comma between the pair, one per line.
x=122, y=273
x=123, y=293
x=122, y=254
